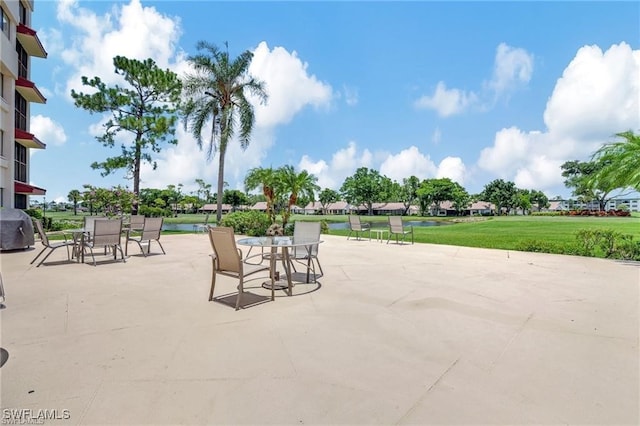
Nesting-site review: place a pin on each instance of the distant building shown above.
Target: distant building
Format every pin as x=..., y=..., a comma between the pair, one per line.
x=631, y=204
x=211, y=208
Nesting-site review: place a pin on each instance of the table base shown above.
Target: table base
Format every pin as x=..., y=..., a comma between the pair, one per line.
x=278, y=285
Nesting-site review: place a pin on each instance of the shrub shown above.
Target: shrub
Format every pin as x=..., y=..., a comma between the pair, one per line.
x=539, y=246
x=154, y=211
x=627, y=248
x=251, y=223
x=612, y=244
x=34, y=213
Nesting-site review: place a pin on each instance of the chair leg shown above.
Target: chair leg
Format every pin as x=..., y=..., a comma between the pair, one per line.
x=141, y=249
x=160, y=244
x=45, y=258
x=319, y=267
x=92, y=256
x=41, y=251
x=121, y=253
x=213, y=280
x=240, y=291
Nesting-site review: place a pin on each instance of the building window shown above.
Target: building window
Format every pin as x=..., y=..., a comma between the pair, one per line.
x=21, y=112
x=23, y=61
x=20, y=169
x=1, y=197
x=20, y=201
x=2, y=86
x=6, y=25
x=23, y=15
x=1, y=143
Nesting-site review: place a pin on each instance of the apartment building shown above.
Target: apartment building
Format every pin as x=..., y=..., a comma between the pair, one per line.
x=631, y=204
x=19, y=43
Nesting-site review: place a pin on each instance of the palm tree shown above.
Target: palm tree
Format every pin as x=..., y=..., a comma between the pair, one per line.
x=74, y=196
x=217, y=91
x=267, y=179
x=621, y=161
x=296, y=185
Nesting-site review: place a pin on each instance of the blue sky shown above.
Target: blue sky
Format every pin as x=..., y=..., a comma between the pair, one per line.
x=473, y=91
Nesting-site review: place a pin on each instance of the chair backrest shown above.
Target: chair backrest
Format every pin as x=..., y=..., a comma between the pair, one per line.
x=395, y=224
x=40, y=229
x=87, y=223
x=306, y=231
x=152, y=228
x=136, y=221
x=224, y=246
x=354, y=223
x=107, y=232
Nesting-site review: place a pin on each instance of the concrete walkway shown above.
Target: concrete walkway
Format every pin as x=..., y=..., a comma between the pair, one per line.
x=394, y=334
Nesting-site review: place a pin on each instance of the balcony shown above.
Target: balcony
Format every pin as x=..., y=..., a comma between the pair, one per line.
x=28, y=140
x=24, y=188
x=29, y=91
x=30, y=41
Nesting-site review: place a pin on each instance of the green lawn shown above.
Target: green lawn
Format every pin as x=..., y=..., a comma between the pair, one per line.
x=505, y=232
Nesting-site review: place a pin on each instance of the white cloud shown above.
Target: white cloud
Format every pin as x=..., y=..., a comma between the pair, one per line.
x=350, y=95
x=344, y=162
x=47, y=130
x=436, y=137
x=288, y=84
x=124, y=31
x=408, y=162
x=452, y=168
x=510, y=149
x=596, y=97
x=513, y=67
x=447, y=102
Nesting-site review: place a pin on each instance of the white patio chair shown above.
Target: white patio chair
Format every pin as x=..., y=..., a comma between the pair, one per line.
x=307, y=255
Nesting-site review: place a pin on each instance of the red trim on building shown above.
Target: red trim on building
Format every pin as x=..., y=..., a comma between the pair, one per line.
x=23, y=188
x=29, y=91
x=27, y=139
x=30, y=41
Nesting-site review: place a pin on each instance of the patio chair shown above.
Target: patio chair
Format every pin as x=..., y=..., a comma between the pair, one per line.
x=357, y=227
x=397, y=228
x=106, y=233
x=307, y=255
x=151, y=231
x=136, y=222
x=227, y=260
x=44, y=239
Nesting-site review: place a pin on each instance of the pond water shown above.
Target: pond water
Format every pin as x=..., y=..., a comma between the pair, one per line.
x=416, y=223
x=189, y=227
x=194, y=227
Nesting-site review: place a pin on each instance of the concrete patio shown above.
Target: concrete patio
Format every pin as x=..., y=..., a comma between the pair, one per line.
x=394, y=334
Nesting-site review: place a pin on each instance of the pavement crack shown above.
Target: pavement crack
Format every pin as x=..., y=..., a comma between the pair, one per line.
x=513, y=337
x=424, y=395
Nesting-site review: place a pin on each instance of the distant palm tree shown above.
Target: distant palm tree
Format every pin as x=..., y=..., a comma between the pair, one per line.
x=621, y=161
x=296, y=185
x=217, y=91
x=266, y=178
x=74, y=197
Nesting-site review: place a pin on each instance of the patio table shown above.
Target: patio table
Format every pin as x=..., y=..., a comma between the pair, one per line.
x=284, y=243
